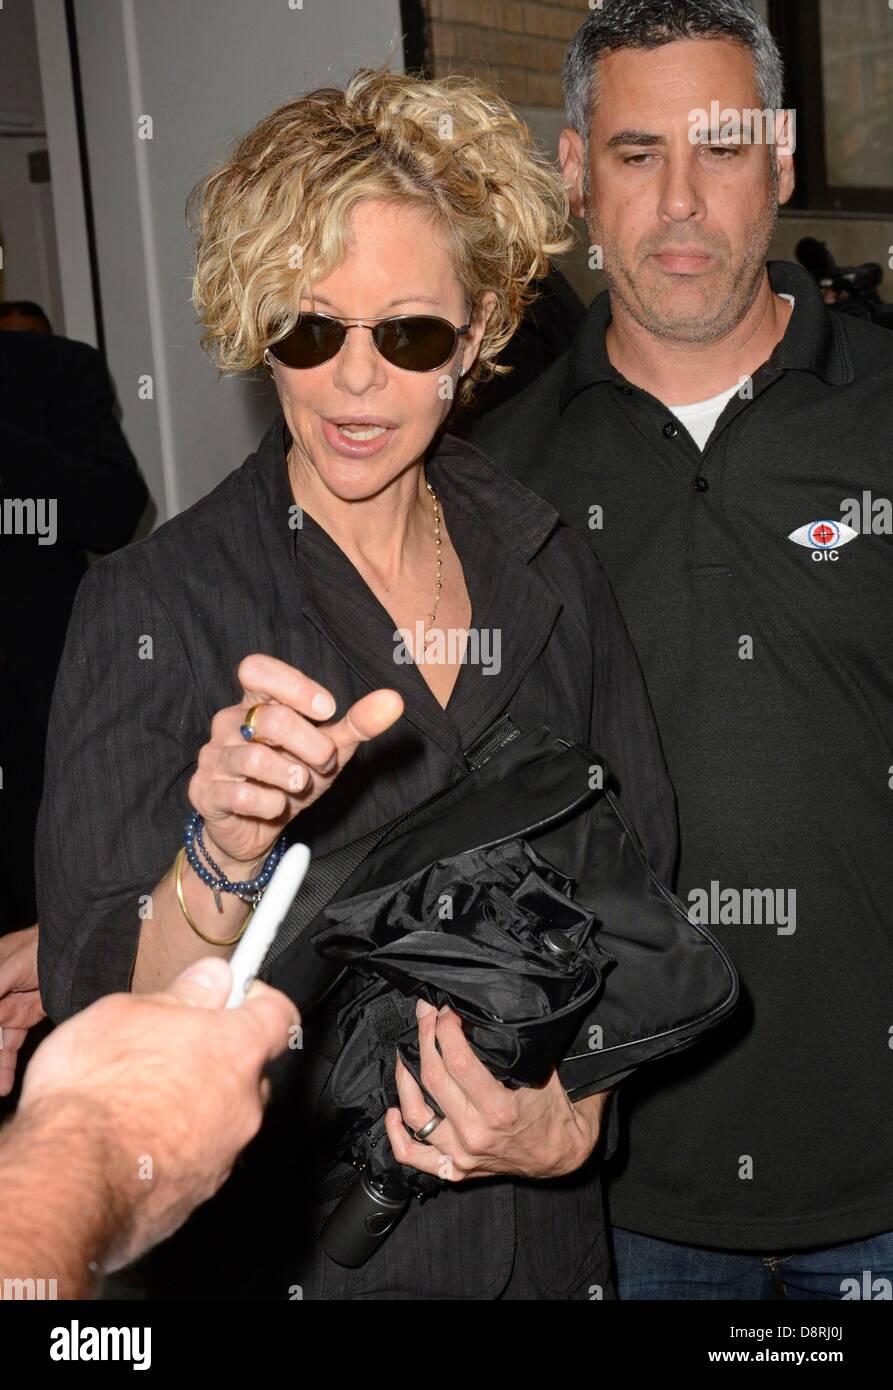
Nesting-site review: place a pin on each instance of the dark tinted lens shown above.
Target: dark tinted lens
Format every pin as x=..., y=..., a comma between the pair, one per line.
x=313, y=340
x=417, y=344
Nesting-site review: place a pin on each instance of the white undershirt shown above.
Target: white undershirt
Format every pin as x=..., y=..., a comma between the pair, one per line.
x=701, y=417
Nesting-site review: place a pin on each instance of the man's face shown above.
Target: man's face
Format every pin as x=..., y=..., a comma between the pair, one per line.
x=685, y=226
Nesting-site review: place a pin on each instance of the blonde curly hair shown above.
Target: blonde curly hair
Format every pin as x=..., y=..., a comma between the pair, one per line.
x=275, y=216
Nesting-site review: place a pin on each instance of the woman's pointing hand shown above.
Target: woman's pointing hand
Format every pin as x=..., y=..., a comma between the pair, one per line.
x=247, y=791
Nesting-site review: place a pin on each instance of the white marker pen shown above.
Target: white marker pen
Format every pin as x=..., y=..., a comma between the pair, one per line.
x=269, y=914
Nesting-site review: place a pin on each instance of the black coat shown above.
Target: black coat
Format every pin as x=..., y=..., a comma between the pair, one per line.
x=228, y=577
x=59, y=441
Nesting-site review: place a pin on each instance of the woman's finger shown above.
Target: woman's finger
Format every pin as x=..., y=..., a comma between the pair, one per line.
x=424, y=1157
x=415, y=1109
x=434, y=1075
x=266, y=677
x=259, y=763
x=11, y=1039
x=224, y=797
x=279, y=727
x=462, y=1064
x=366, y=719
x=21, y=1010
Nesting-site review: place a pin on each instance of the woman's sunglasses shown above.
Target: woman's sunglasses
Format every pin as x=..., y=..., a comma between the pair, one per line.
x=415, y=342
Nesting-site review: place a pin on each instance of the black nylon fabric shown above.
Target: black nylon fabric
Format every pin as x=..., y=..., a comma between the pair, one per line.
x=521, y=1003
x=532, y=842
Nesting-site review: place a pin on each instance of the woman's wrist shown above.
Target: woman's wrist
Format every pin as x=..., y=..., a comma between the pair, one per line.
x=242, y=880
x=207, y=868
x=215, y=926
x=236, y=869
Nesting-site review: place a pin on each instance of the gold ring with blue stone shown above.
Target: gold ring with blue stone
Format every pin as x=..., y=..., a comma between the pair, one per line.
x=247, y=729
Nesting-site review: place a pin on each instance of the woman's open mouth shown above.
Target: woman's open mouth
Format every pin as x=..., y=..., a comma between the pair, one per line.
x=357, y=438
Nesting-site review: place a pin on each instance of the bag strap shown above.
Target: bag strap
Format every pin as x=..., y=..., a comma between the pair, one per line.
x=327, y=874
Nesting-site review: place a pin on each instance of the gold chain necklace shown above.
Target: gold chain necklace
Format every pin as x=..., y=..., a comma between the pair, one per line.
x=438, y=546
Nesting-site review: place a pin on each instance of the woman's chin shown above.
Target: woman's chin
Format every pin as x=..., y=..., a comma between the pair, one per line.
x=353, y=480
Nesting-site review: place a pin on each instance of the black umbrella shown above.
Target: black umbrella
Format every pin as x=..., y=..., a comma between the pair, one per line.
x=495, y=934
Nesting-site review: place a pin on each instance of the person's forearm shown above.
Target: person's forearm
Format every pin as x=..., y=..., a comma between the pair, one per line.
x=58, y=1210
x=168, y=944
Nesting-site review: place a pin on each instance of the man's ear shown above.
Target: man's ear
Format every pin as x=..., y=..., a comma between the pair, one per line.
x=572, y=161
x=785, y=147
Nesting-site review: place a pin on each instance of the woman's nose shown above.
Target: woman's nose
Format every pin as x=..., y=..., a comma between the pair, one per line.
x=359, y=364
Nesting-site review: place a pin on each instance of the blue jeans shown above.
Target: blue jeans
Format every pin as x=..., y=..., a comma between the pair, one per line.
x=650, y=1268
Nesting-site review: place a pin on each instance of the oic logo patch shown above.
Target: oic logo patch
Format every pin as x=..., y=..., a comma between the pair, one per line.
x=824, y=538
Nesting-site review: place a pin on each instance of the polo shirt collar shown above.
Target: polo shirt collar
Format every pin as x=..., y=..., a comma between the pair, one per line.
x=809, y=344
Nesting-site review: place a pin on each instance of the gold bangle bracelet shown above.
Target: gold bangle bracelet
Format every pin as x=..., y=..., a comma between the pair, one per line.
x=212, y=941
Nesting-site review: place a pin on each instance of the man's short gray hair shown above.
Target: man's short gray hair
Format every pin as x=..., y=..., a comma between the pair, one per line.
x=647, y=24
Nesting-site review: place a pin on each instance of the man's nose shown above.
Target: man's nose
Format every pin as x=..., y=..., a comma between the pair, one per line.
x=680, y=193
x=359, y=365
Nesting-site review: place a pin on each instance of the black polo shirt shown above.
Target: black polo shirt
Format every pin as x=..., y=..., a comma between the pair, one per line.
x=759, y=601
x=156, y=636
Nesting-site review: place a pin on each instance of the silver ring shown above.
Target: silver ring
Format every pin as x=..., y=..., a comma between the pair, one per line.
x=422, y=1134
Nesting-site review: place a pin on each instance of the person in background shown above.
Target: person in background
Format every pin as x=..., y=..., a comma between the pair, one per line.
x=97, y=1165
x=714, y=432
x=20, y=1003
x=23, y=316
x=548, y=325
x=69, y=484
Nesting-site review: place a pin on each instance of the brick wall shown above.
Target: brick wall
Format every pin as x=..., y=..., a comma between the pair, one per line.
x=516, y=45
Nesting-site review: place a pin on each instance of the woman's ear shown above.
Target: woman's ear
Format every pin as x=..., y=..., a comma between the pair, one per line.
x=472, y=342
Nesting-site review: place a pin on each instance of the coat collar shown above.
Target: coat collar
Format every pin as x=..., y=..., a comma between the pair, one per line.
x=520, y=519
x=810, y=342
x=497, y=525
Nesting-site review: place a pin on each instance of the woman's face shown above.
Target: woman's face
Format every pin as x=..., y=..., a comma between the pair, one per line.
x=396, y=266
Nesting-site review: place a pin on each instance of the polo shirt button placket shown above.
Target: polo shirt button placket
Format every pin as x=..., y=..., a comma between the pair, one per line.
x=701, y=484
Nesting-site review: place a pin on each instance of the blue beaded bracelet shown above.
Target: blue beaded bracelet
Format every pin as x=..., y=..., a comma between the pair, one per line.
x=249, y=889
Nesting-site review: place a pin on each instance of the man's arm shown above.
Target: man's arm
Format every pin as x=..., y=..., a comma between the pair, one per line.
x=623, y=728
x=58, y=1196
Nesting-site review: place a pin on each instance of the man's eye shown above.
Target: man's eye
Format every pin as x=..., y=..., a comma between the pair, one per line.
x=724, y=149
x=637, y=159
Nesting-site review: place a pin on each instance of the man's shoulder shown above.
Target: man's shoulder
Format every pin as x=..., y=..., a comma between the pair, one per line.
x=522, y=421
x=870, y=345
x=22, y=355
